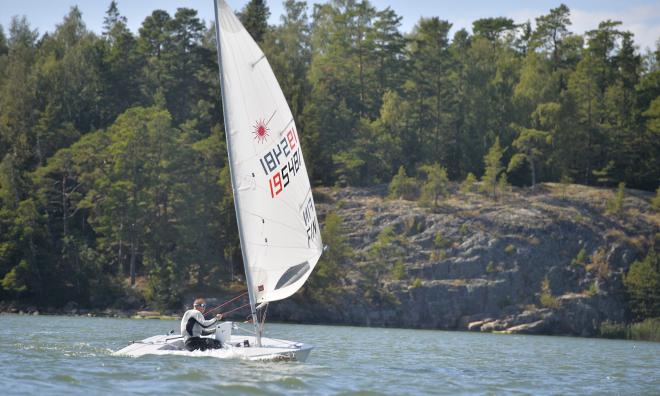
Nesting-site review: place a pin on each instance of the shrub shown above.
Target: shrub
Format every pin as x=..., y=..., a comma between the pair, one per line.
x=565, y=181
x=580, y=259
x=592, y=290
x=403, y=186
x=435, y=185
x=416, y=283
x=503, y=183
x=547, y=299
x=615, y=204
x=326, y=274
x=398, y=271
x=441, y=242
x=464, y=229
x=648, y=330
x=510, y=248
x=609, y=329
x=468, y=184
x=643, y=286
x=489, y=268
x=655, y=202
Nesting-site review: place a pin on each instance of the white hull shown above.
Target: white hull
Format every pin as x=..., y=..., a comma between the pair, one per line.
x=271, y=348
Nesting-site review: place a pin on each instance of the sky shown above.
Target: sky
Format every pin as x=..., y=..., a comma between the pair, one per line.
x=642, y=17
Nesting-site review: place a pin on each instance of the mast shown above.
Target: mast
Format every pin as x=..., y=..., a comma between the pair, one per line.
x=248, y=277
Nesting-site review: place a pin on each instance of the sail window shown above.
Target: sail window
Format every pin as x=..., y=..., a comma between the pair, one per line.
x=292, y=274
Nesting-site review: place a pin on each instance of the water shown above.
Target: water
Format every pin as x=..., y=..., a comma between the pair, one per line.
x=71, y=355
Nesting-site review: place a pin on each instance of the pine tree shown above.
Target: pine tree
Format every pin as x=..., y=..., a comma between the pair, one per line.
x=493, y=168
x=254, y=17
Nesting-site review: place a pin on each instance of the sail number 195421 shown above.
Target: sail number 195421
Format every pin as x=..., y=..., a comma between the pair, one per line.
x=282, y=162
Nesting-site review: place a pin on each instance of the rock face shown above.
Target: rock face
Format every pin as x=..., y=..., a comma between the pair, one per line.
x=477, y=264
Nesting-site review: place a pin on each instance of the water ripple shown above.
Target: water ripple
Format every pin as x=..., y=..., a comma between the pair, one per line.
x=72, y=356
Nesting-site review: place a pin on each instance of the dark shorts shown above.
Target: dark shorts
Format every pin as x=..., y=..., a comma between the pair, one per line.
x=194, y=343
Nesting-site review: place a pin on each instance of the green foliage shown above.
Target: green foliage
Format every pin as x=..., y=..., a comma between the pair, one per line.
x=112, y=153
x=328, y=271
x=546, y=298
x=608, y=329
x=580, y=259
x=510, y=248
x=603, y=176
x=655, y=202
x=614, y=205
x=464, y=230
x=646, y=330
x=529, y=144
x=441, y=242
x=254, y=17
x=403, y=186
x=502, y=183
x=434, y=186
x=490, y=268
x=468, y=184
x=399, y=271
x=565, y=181
x=592, y=290
x=643, y=285
x=493, y=168
x=416, y=283
x=386, y=245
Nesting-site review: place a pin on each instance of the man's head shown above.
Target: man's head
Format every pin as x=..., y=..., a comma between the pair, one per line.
x=200, y=305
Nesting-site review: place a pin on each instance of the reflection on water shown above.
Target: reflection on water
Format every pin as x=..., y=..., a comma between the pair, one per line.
x=55, y=354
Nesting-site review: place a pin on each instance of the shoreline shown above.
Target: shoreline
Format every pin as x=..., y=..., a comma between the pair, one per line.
x=155, y=315
x=92, y=313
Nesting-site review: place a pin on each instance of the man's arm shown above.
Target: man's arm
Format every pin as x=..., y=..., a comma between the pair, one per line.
x=208, y=331
x=203, y=322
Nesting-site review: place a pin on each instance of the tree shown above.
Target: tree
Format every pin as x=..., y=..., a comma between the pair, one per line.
x=468, y=183
x=643, y=285
x=254, y=17
x=328, y=269
x=123, y=65
x=550, y=34
x=403, y=186
x=492, y=28
x=493, y=168
x=429, y=91
x=435, y=185
x=529, y=144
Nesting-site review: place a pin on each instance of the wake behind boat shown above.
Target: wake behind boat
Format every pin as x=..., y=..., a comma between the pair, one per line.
x=275, y=212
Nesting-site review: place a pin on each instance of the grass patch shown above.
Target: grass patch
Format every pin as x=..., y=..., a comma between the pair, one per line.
x=490, y=268
x=592, y=290
x=546, y=298
x=464, y=230
x=416, y=283
x=580, y=259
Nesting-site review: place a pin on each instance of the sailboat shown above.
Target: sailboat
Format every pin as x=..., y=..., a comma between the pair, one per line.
x=277, y=223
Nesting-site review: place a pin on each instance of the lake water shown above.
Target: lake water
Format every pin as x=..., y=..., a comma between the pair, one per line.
x=71, y=355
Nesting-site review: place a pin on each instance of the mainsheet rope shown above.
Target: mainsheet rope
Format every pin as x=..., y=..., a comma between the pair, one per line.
x=227, y=302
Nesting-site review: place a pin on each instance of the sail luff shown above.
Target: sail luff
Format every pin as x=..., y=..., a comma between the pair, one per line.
x=241, y=237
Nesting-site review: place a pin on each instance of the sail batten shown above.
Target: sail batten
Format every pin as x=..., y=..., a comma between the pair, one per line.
x=277, y=220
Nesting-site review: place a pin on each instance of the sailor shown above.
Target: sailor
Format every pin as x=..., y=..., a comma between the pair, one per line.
x=193, y=326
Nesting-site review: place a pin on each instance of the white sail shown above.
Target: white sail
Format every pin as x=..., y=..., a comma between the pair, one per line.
x=279, y=231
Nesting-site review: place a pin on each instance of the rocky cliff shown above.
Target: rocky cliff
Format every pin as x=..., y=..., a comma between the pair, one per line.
x=544, y=261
